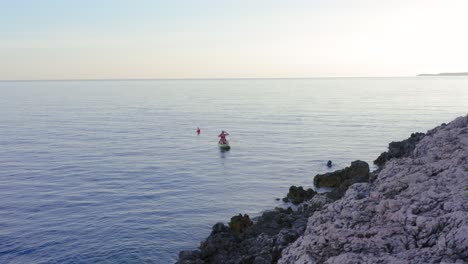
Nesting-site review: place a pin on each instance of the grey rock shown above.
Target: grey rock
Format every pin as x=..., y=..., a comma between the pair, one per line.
x=219, y=228
x=261, y=242
x=240, y=223
x=187, y=257
x=399, y=149
x=414, y=211
x=342, y=179
x=297, y=195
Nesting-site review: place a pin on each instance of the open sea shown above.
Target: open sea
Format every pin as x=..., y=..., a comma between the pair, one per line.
x=114, y=172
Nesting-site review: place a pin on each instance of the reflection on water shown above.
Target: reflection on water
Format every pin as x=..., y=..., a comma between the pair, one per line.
x=224, y=152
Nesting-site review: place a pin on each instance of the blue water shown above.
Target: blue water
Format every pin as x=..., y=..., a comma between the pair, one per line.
x=113, y=171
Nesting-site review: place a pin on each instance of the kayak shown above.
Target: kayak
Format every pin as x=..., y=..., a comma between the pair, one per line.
x=224, y=146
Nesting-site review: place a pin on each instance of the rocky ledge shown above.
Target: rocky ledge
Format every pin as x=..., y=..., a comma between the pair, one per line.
x=413, y=209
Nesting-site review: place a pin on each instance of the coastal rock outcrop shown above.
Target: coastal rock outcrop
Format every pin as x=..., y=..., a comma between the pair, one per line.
x=342, y=179
x=297, y=195
x=414, y=212
x=413, y=209
x=240, y=223
x=261, y=242
x=399, y=149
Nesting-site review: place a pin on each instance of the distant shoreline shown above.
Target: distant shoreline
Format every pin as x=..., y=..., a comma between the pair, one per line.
x=445, y=74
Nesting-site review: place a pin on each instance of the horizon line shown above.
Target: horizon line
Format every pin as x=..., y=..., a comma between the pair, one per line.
x=206, y=79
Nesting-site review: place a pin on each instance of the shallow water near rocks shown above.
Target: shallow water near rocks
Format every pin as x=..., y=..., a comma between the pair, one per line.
x=113, y=171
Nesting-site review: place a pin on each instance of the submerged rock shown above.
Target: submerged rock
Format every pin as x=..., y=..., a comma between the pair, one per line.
x=399, y=149
x=342, y=179
x=297, y=195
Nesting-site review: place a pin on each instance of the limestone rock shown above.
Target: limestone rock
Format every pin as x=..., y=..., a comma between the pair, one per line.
x=297, y=195
x=342, y=179
x=239, y=223
x=261, y=242
x=415, y=211
x=399, y=149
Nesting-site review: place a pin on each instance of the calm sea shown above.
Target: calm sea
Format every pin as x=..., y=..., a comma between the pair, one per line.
x=114, y=172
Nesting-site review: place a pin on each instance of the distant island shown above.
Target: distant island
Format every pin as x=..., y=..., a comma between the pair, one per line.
x=445, y=74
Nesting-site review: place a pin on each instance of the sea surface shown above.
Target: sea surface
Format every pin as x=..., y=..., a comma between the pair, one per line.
x=114, y=172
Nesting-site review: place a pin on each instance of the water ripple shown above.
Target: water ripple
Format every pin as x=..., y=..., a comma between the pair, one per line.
x=113, y=172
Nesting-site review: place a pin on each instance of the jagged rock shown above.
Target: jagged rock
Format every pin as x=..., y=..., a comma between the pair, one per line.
x=188, y=257
x=239, y=223
x=399, y=149
x=342, y=179
x=219, y=228
x=271, y=222
x=413, y=212
x=261, y=242
x=297, y=195
x=358, y=169
x=217, y=246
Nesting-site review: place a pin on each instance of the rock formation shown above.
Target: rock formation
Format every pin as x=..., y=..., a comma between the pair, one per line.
x=240, y=223
x=297, y=195
x=399, y=149
x=414, y=209
x=261, y=242
x=342, y=179
x=414, y=212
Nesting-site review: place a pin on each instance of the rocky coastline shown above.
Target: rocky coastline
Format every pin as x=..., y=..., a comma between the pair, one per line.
x=412, y=209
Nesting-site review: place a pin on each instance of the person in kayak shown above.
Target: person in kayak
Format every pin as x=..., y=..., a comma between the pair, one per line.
x=198, y=130
x=222, y=136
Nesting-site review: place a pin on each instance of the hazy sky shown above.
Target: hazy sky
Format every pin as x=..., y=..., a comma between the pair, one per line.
x=75, y=39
